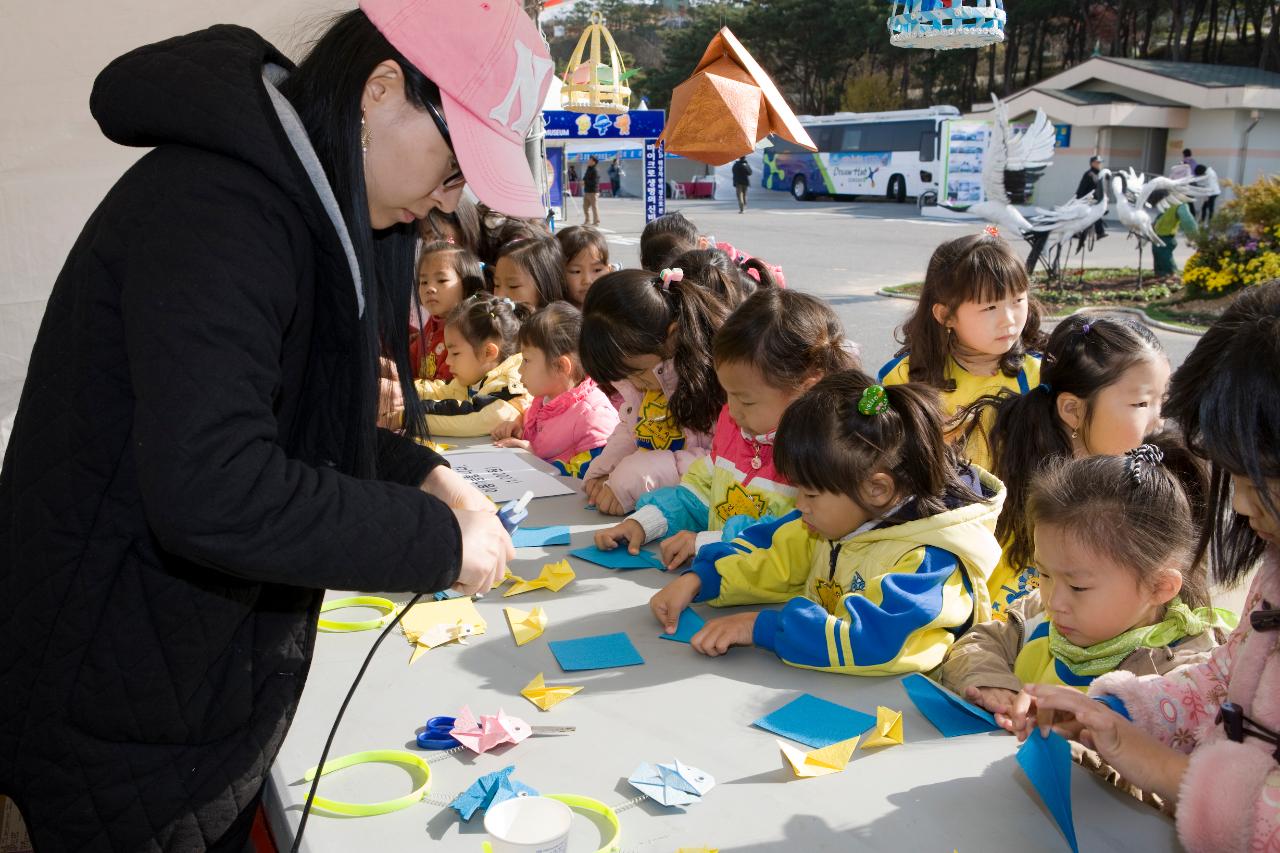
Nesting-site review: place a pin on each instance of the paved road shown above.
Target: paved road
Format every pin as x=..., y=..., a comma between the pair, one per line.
x=843, y=252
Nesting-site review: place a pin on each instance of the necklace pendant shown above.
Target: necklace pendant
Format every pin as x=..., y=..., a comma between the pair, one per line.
x=756, y=463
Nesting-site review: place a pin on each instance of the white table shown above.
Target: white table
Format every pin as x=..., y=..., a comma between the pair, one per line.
x=931, y=793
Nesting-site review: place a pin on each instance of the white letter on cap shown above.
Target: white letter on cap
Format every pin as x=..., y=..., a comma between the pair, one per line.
x=526, y=82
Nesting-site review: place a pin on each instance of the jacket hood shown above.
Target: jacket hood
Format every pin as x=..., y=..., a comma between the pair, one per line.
x=204, y=90
x=966, y=531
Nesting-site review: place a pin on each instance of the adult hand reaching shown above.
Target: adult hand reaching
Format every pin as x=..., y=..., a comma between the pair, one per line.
x=486, y=550
x=449, y=486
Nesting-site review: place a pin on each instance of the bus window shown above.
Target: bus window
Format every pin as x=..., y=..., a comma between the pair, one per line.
x=928, y=146
x=852, y=140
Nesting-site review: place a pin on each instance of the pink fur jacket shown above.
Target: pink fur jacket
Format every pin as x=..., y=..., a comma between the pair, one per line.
x=1230, y=795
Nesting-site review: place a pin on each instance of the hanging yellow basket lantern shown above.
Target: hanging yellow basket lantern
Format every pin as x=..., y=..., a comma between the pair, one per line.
x=590, y=84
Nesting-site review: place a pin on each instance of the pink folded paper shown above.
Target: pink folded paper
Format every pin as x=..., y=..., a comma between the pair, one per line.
x=490, y=730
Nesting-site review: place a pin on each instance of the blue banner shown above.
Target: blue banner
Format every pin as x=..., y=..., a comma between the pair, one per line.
x=655, y=180
x=636, y=124
x=1062, y=136
x=555, y=175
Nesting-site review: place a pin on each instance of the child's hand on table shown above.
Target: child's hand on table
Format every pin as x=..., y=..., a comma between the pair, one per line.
x=518, y=443
x=590, y=486
x=1141, y=759
x=628, y=531
x=678, y=549
x=669, y=602
x=507, y=429
x=1007, y=706
x=720, y=635
x=606, y=503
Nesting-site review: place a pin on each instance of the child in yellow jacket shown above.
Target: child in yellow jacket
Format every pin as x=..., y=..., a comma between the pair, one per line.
x=482, y=338
x=885, y=560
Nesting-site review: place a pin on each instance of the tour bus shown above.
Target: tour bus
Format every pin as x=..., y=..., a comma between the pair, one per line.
x=894, y=155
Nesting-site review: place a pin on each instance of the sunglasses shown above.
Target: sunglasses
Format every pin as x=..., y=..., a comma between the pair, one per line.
x=455, y=179
x=1238, y=726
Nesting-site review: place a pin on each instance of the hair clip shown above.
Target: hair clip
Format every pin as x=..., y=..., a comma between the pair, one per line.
x=451, y=241
x=874, y=401
x=1084, y=330
x=669, y=275
x=1047, y=388
x=991, y=231
x=1143, y=453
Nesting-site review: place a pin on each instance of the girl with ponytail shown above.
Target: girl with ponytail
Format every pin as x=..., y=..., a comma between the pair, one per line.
x=772, y=349
x=884, y=561
x=1102, y=383
x=649, y=338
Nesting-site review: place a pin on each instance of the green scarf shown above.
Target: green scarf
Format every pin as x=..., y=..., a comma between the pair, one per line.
x=1179, y=621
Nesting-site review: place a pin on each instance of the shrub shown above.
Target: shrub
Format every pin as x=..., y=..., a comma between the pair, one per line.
x=1240, y=247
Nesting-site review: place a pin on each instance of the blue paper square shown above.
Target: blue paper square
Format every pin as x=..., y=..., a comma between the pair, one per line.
x=690, y=623
x=1047, y=763
x=949, y=714
x=535, y=537
x=816, y=722
x=601, y=652
x=619, y=558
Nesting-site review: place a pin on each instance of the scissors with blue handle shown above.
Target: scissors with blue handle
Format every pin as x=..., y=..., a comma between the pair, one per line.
x=437, y=733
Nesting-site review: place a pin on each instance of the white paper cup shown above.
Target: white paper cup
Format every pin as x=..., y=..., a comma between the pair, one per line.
x=529, y=825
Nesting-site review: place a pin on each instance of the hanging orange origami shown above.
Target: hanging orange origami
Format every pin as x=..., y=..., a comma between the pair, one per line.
x=727, y=106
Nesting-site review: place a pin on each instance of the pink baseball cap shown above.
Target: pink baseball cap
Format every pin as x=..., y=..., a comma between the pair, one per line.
x=493, y=70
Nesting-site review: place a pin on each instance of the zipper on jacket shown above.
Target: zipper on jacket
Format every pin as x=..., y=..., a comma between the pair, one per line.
x=835, y=554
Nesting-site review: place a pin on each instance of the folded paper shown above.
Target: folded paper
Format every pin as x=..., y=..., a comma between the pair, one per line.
x=554, y=576
x=727, y=106
x=887, y=731
x=489, y=790
x=690, y=623
x=434, y=623
x=547, y=696
x=535, y=537
x=619, y=558
x=484, y=733
x=526, y=624
x=815, y=722
x=674, y=784
x=819, y=762
x=949, y=714
x=600, y=652
x=1047, y=763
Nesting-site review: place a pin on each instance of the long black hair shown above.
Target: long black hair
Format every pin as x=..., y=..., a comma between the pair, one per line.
x=1224, y=397
x=627, y=314
x=325, y=89
x=1084, y=355
x=976, y=268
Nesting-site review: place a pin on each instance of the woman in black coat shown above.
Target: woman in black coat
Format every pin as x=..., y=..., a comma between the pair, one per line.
x=195, y=457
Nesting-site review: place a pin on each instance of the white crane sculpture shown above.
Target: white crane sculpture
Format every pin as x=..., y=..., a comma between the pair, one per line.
x=1136, y=208
x=1012, y=165
x=1054, y=229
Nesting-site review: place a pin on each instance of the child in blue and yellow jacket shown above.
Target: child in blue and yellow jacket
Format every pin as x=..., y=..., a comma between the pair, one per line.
x=885, y=560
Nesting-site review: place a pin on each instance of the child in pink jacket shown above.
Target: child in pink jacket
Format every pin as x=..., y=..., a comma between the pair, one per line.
x=649, y=337
x=1208, y=736
x=570, y=418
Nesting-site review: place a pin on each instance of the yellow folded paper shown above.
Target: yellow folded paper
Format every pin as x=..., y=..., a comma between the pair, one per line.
x=547, y=696
x=554, y=576
x=526, y=624
x=887, y=730
x=435, y=623
x=819, y=762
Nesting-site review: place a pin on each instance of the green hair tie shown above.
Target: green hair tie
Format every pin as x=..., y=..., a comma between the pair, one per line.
x=874, y=401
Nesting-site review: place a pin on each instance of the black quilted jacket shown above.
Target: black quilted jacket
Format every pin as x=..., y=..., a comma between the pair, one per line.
x=170, y=507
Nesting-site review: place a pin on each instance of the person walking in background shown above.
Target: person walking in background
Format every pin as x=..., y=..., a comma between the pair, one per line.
x=1091, y=185
x=1188, y=159
x=615, y=177
x=591, y=192
x=573, y=179
x=1166, y=227
x=741, y=180
x=1209, y=180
